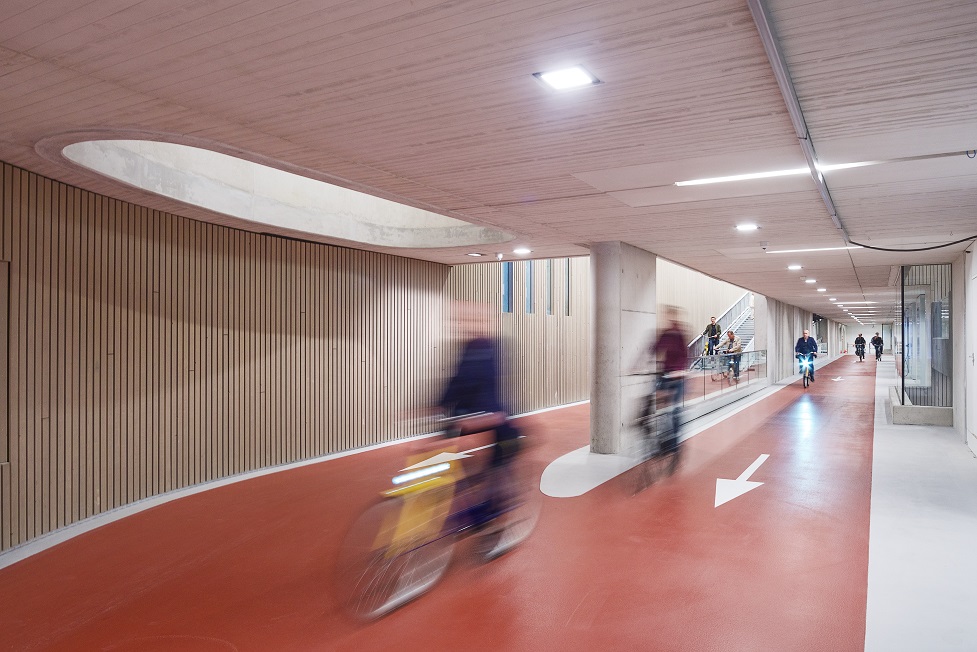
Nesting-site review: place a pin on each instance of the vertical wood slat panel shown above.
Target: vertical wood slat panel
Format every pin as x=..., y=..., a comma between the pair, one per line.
x=150, y=352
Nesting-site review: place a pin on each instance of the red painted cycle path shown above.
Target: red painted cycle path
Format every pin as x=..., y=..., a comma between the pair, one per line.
x=247, y=566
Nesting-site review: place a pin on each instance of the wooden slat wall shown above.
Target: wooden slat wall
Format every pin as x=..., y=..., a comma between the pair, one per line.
x=548, y=355
x=150, y=352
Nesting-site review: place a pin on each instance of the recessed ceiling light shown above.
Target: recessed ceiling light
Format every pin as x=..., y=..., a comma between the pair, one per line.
x=574, y=77
x=474, y=255
x=522, y=251
x=811, y=280
x=799, y=251
x=794, y=268
x=747, y=227
x=832, y=299
x=822, y=289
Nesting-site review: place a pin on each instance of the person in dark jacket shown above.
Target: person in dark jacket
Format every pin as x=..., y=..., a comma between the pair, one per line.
x=713, y=331
x=877, y=343
x=475, y=385
x=807, y=345
x=860, y=341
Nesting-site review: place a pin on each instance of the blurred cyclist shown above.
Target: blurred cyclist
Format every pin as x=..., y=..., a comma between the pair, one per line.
x=475, y=387
x=672, y=352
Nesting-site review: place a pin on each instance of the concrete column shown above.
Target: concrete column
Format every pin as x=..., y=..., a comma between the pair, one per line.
x=624, y=305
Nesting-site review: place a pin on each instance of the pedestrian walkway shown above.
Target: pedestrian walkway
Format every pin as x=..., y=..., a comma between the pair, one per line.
x=922, y=573
x=783, y=566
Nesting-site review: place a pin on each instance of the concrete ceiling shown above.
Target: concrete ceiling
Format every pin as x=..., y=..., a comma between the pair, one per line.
x=432, y=103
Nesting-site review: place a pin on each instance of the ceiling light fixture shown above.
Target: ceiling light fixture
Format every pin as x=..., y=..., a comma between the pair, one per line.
x=799, y=251
x=747, y=227
x=522, y=251
x=773, y=174
x=811, y=280
x=794, y=268
x=822, y=289
x=574, y=77
x=474, y=255
x=832, y=299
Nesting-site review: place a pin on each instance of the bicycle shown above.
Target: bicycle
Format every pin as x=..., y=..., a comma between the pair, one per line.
x=878, y=353
x=807, y=364
x=860, y=352
x=726, y=370
x=657, y=448
x=402, y=545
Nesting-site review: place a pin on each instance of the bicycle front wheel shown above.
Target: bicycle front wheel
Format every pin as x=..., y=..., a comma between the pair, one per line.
x=380, y=568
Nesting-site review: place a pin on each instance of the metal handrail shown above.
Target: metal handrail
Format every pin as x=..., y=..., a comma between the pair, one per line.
x=696, y=344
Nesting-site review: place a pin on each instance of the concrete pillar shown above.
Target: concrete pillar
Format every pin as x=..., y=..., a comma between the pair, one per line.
x=624, y=305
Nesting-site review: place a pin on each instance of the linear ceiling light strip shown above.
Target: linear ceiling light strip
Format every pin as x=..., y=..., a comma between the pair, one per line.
x=779, y=65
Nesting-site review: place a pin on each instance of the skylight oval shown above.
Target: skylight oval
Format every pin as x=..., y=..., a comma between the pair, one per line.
x=269, y=197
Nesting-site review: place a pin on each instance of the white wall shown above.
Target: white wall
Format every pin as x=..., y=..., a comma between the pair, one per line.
x=781, y=325
x=699, y=295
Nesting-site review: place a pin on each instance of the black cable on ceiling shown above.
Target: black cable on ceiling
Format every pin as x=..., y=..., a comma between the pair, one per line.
x=939, y=246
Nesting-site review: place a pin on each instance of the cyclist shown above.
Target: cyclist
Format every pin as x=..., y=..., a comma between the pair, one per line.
x=475, y=388
x=673, y=362
x=807, y=345
x=860, y=342
x=733, y=347
x=877, y=343
x=713, y=332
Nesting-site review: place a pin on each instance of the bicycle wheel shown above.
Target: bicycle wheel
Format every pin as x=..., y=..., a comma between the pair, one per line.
x=376, y=574
x=654, y=460
x=807, y=380
x=521, y=502
x=717, y=375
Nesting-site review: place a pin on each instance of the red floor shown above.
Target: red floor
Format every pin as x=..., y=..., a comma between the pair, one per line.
x=248, y=566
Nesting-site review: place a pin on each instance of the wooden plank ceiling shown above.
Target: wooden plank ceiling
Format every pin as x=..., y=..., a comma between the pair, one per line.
x=433, y=103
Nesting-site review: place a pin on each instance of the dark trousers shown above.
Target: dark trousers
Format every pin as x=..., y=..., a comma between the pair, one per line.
x=675, y=388
x=713, y=343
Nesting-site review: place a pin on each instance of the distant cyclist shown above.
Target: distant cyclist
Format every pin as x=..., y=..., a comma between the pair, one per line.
x=860, y=342
x=807, y=346
x=877, y=343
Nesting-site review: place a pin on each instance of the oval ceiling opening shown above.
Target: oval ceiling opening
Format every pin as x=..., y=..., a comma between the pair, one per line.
x=267, y=196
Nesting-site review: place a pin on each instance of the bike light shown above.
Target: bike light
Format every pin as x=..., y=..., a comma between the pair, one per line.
x=421, y=473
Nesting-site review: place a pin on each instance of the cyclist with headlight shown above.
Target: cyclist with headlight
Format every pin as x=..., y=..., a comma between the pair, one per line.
x=807, y=348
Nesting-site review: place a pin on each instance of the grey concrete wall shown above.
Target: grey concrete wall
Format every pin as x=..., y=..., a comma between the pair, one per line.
x=624, y=320
x=958, y=306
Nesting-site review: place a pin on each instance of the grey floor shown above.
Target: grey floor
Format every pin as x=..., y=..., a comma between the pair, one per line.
x=922, y=571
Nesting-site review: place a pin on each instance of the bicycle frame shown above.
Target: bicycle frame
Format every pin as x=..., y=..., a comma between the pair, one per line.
x=807, y=364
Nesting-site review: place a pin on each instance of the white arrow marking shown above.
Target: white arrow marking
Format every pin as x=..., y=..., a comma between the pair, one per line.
x=837, y=379
x=445, y=457
x=726, y=490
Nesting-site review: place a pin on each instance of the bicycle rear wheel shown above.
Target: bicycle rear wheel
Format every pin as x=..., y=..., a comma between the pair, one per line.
x=807, y=380
x=657, y=453
x=380, y=569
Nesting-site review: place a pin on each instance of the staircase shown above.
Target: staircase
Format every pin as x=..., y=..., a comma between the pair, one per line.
x=739, y=318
